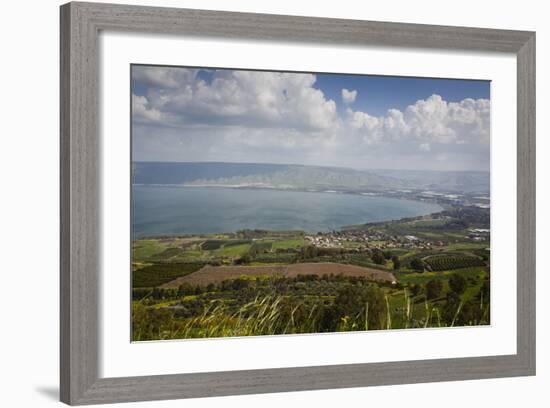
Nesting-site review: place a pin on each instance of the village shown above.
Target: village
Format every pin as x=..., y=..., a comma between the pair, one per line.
x=364, y=240
x=396, y=235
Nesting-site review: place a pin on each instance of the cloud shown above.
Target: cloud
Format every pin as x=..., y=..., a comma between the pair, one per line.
x=141, y=111
x=165, y=77
x=432, y=120
x=238, y=98
x=250, y=116
x=348, y=97
x=424, y=147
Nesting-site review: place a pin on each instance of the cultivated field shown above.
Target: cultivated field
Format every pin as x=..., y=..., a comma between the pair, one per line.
x=217, y=274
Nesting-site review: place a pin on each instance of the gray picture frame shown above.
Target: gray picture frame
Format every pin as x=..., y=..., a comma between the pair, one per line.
x=81, y=24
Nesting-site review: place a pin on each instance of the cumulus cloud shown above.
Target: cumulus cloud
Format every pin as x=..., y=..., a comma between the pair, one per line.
x=240, y=98
x=224, y=115
x=141, y=111
x=430, y=120
x=348, y=97
x=164, y=77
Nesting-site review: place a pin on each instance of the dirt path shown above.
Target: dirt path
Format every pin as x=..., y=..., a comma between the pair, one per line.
x=215, y=274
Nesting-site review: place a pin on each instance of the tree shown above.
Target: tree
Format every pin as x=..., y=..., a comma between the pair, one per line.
x=416, y=289
x=245, y=259
x=417, y=264
x=239, y=284
x=457, y=283
x=157, y=293
x=451, y=307
x=378, y=258
x=433, y=289
x=396, y=262
x=308, y=252
x=459, y=313
x=328, y=319
x=470, y=314
x=352, y=301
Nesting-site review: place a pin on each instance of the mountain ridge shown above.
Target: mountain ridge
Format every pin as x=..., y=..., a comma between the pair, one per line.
x=295, y=176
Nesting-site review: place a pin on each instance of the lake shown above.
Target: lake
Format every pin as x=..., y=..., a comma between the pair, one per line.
x=165, y=210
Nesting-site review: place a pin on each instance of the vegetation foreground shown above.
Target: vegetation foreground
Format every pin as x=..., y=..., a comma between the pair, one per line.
x=420, y=272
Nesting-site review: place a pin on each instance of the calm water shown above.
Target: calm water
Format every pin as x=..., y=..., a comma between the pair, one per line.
x=194, y=210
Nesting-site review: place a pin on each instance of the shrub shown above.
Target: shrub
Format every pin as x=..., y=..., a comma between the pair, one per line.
x=378, y=258
x=352, y=301
x=457, y=283
x=417, y=265
x=396, y=262
x=433, y=289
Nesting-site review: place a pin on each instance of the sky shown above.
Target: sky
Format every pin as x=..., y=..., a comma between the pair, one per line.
x=358, y=121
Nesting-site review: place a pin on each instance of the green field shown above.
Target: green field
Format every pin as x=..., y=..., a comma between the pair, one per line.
x=288, y=243
x=441, y=279
x=447, y=262
x=143, y=249
x=424, y=277
x=232, y=251
x=157, y=274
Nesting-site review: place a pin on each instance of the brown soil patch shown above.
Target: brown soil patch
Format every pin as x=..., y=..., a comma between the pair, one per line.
x=215, y=274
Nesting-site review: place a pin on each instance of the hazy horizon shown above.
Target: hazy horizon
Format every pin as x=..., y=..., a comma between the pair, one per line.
x=330, y=120
x=310, y=165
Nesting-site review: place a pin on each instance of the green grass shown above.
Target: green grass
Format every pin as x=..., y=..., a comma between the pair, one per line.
x=408, y=311
x=428, y=223
x=166, y=254
x=259, y=247
x=277, y=314
x=232, y=251
x=190, y=254
x=236, y=242
x=468, y=245
x=422, y=278
x=143, y=249
x=289, y=243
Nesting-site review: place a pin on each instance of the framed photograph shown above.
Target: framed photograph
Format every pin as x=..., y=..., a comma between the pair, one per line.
x=261, y=203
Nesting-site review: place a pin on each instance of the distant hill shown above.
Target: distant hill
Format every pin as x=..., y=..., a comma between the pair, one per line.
x=465, y=181
x=290, y=176
x=181, y=173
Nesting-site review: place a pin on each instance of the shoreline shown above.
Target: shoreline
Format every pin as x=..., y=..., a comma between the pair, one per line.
x=212, y=235
x=294, y=231
x=409, y=196
x=393, y=193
